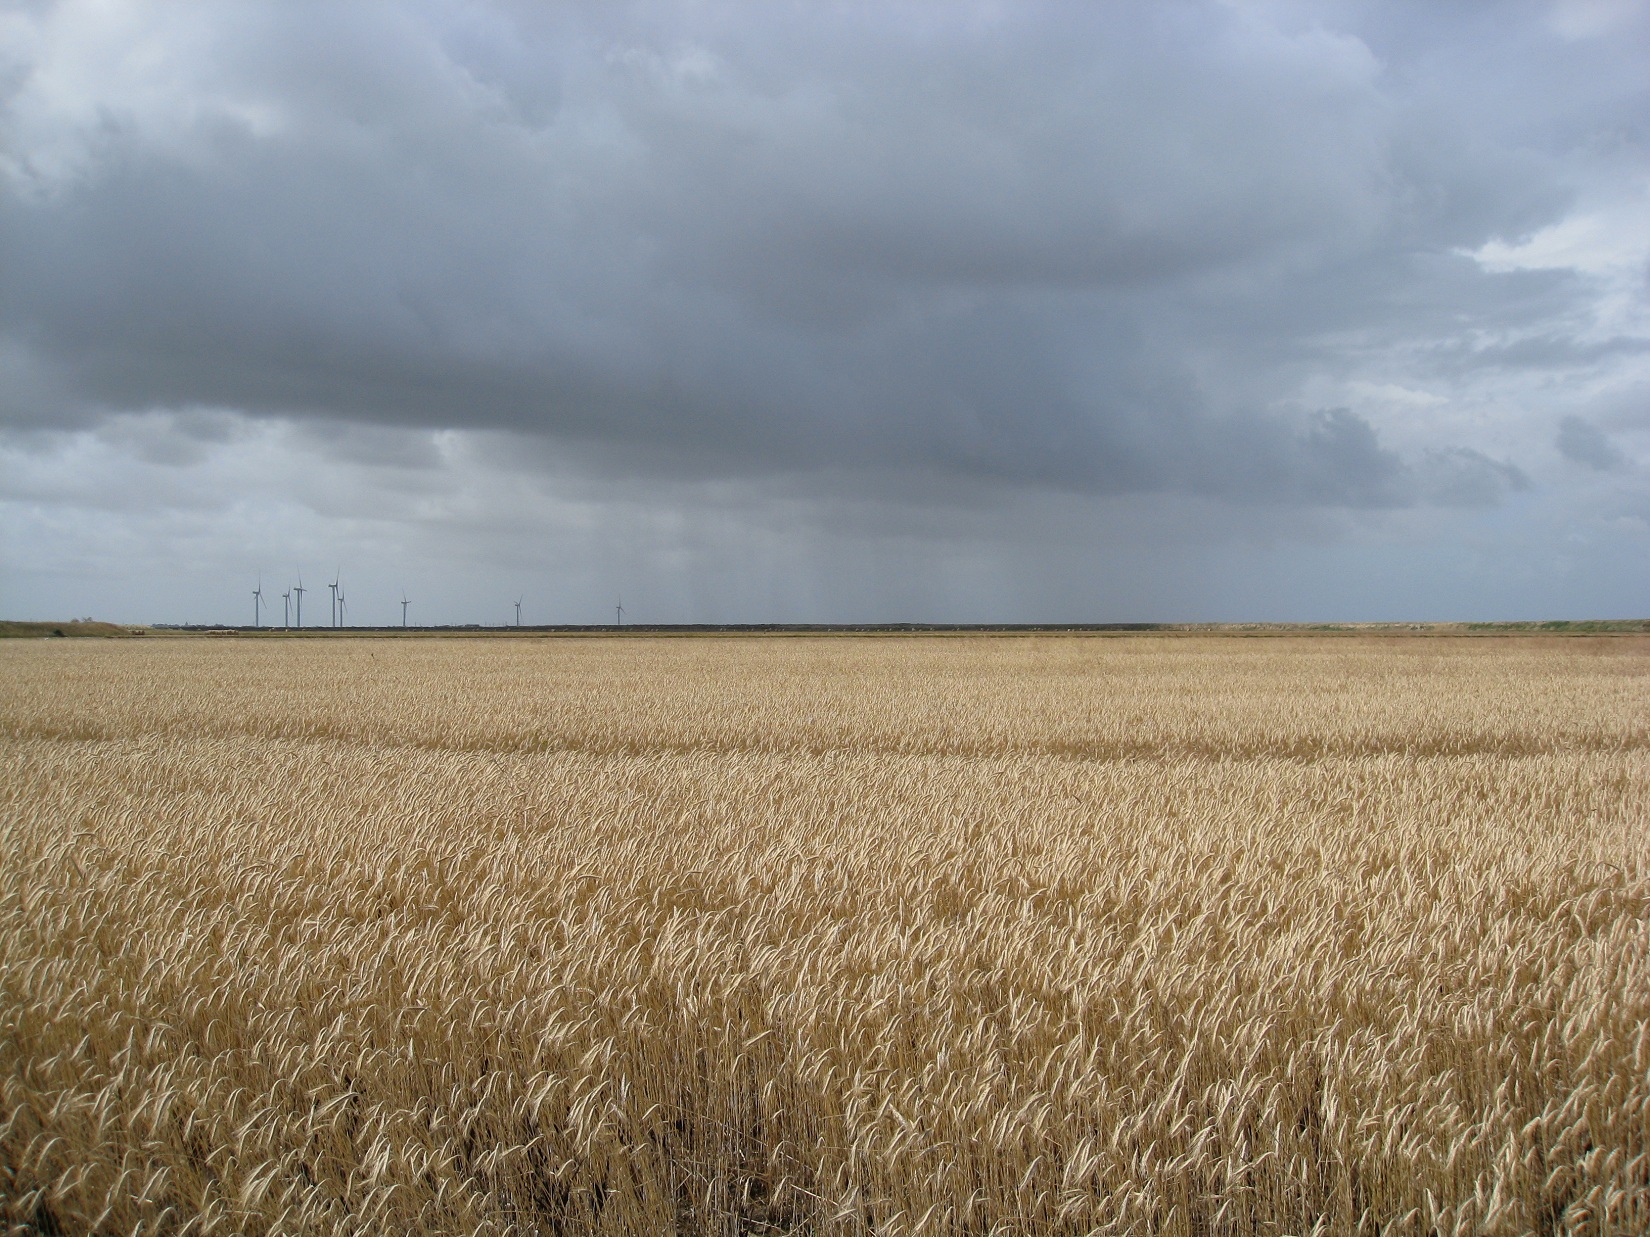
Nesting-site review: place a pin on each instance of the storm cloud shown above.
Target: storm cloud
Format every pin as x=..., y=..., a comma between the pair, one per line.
x=886, y=264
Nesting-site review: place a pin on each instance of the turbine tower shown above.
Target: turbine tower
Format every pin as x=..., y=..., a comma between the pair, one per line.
x=286, y=608
x=257, y=603
x=518, y=609
x=340, y=607
x=338, y=575
x=404, y=604
x=300, y=590
x=618, y=613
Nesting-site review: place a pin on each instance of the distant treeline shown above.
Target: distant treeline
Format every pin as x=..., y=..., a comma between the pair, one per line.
x=88, y=627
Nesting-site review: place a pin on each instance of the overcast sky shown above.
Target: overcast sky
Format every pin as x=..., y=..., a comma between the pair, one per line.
x=825, y=312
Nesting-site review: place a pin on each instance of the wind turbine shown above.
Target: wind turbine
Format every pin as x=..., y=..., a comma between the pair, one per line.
x=518, y=609
x=334, y=587
x=257, y=603
x=286, y=608
x=340, y=607
x=300, y=590
x=618, y=613
x=404, y=604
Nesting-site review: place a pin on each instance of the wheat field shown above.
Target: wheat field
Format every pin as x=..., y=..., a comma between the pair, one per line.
x=1053, y=935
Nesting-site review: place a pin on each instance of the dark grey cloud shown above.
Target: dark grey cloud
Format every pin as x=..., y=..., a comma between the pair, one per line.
x=1462, y=477
x=1584, y=443
x=968, y=239
x=908, y=257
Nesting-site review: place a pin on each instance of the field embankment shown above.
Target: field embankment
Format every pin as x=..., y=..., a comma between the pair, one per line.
x=15, y=629
x=1052, y=935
